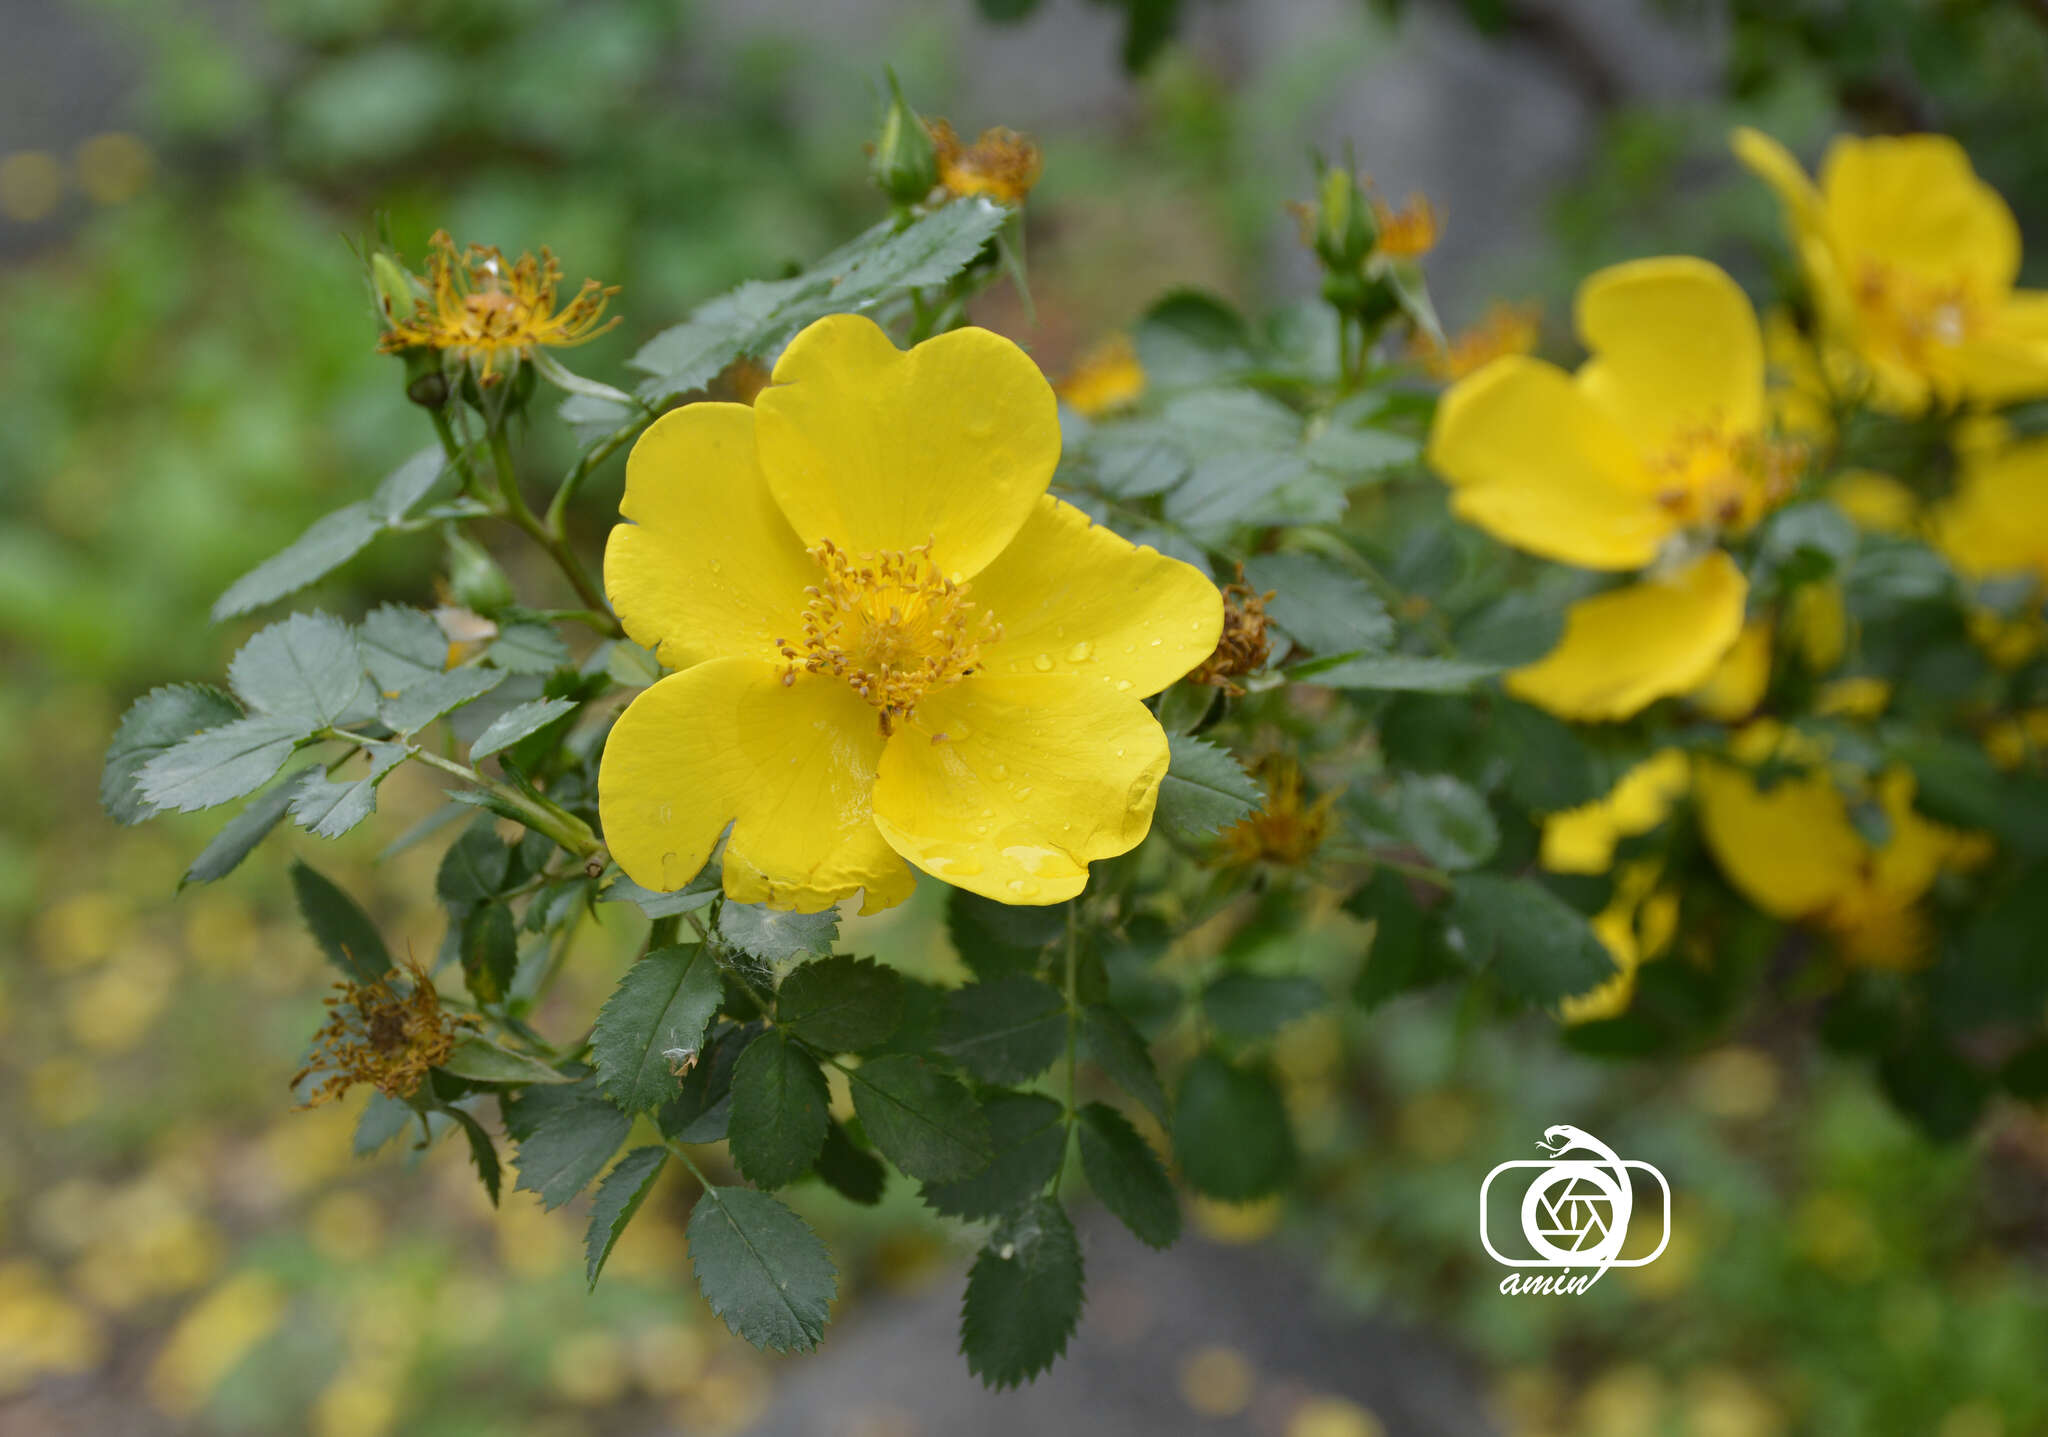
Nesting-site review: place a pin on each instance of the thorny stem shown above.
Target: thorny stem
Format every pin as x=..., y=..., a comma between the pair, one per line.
x=558, y=549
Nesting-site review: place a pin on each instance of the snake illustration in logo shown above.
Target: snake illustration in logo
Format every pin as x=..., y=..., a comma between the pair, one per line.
x=1575, y=1212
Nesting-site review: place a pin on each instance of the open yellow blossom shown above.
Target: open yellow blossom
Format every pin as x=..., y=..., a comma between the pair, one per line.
x=1583, y=839
x=1793, y=850
x=1107, y=378
x=894, y=644
x=490, y=314
x=1911, y=259
x=1000, y=165
x=1659, y=441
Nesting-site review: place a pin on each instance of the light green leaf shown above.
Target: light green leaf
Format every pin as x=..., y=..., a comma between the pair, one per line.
x=762, y=1269
x=1448, y=820
x=305, y=668
x=437, y=696
x=482, y=1061
x=528, y=649
x=1205, y=789
x=327, y=544
x=777, y=935
x=409, y=483
x=516, y=723
x=401, y=646
x=1397, y=673
x=328, y=809
x=221, y=764
x=1322, y=606
x=238, y=839
x=154, y=724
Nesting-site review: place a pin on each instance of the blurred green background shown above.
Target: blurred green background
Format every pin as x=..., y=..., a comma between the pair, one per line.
x=186, y=358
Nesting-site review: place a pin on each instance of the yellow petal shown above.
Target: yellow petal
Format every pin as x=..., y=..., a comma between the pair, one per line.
x=878, y=449
x=1737, y=684
x=790, y=767
x=1582, y=839
x=1817, y=624
x=1774, y=165
x=1876, y=502
x=1010, y=787
x=1790, y=849
x=1998, y=521
x=1632, y=929
x=1676, y=349
x=1538, y=465
x=708, y=567
x=1915, y=202
x=1625, y=649
x=1075, y=598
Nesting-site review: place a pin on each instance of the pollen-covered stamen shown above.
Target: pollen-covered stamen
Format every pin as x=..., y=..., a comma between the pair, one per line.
x=1709, y=478
x=892, y=625
x=1914, y=318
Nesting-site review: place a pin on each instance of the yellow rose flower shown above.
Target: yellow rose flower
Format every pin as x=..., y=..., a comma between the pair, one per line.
x=1911, y=259
x=1793, y=850
x=1661, y=435
x=894, y=645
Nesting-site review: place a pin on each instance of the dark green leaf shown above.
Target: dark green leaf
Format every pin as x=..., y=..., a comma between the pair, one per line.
x=239, y=837
x=1250, y=1006
x=994, y=938
x=565, y=1134
x=762, y=1269
x=1005, y=1030
x=1114, y=1046
x=330, y=542
x=1230, y=1131
x=1399, y=958
x=490, y=952
x=1029, y=1135
x=516, y=723
x=328, y=809
x=924, y=1122
x=853, y=1172
x=775, y=935
x=1023, y=1296
x=1398, y=673
x=1205, y=789
x=1324, y=607
x=1128, y=1176
x=304, y=668
x=343, y=931
x=841, y=1004
x=219, y=765
x=1448, y=820
x=155, y=723
x=653, y=1022
x=779, y=1111
x=1540, y=947
x=382, y=1120
x=475, y=865
x=619, y=1196
x=482, y=1151
x=701, y=1110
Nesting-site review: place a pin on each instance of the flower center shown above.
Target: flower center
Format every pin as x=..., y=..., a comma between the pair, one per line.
x=1711, y=478
x=1910, y=316
x=891, y=625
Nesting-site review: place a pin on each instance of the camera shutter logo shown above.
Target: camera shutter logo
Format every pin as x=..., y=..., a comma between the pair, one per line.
x=1575, y=1212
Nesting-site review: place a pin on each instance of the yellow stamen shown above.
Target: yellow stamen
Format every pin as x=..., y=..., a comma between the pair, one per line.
x=1712, y=479
x=493, y=314
x=1001, y=164
x=1915, y=320
x=891, y=625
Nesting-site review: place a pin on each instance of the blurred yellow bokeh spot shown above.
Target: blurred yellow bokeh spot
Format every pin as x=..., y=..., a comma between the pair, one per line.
x=31, y=185
x=211, y=1338
x=1217, y=1381
x=113, y=167
x=1328, y=1416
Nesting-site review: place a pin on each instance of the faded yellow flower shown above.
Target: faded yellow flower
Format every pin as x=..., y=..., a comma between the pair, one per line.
x=1289, y=827
x=1503, y=329
x=387, y=1034
x=491, y=314
x=1107, y=378
x=1408, y=232
x=1000, y=165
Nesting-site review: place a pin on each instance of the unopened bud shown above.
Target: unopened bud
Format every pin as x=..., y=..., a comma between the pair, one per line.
x=395, y=298
x=474, y=577
x=1344, y=229
x=905, y=166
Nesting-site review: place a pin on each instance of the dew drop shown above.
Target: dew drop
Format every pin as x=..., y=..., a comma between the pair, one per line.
x=1000, y=771
x=1123, y=686
x=1042, y=663
x=716, y=566
x=1157, y=642
x=1080, y=653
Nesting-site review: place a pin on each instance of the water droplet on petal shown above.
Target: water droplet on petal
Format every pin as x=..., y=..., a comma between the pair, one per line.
x=1123, y=686
x=1042, y=663
x=1080, y=652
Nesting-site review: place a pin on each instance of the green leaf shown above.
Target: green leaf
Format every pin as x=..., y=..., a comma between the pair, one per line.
x=327, y=544
x=382, y=1120
x=1113, y=1045
x=304, y=668
x=853, y=1172
x=1541, y=948
x=1023, y=1296
x=630, y=666
x=566, y=1134
x=775, y=935
x=343, y=931
x=489, y=947
x=762, y=1269
x=475, y=866
x=410, y=482
x=701, y=1110
x=516, y=723
x=482, y=1061
x=699, y=891
x=1250, y=1006
x=930, y=250
x=1029, y=1134
x=841, y=1004
x=753, y=319
x=239, y=837
x=219, y=765
x=327, y=809
x=1128, y=1176
x=401, y=646
x=1322, y=606
x=1230, y=1131
x=619, y=1196
x=1398, y=673
x=437, y=696
x=155, y=723
x=482, y=1151
x=779, y=1111
x=1205, y=789
x=528, y=649
x=994, y=938
x=660, y=1008
x=924, y=1122
x=1400, y=956
x=1005, y=1030
x=1448, y=820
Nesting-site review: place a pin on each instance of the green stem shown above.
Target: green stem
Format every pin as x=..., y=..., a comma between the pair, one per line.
x=453, y=448
x=557, y=520
x=537, y=813
x=663, y=932
x=557, y=547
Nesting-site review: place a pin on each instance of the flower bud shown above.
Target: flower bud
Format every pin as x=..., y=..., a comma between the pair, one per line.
x=474, y=577
x=1344, y=232
x=904, y=164
x=395, y=297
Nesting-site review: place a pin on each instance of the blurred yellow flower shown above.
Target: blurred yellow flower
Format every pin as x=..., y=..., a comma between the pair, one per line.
x=894, y=644
x=1876, y=502
x=1503, y=329
x=1000, y=165
x=211, y=1338
x=1408, y=232
x=1911, y=259
x=1816, y=624
x=1794, y=851
x=1997, y=522
x=41, y=1330
x=1637, y=924
x=486, y=312
x=1738, y=683
x=1107, y=378
x=2019, y=740
x=1289, y=828
x=1658, y=442
x=1582, y=839
x=1858, y=696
